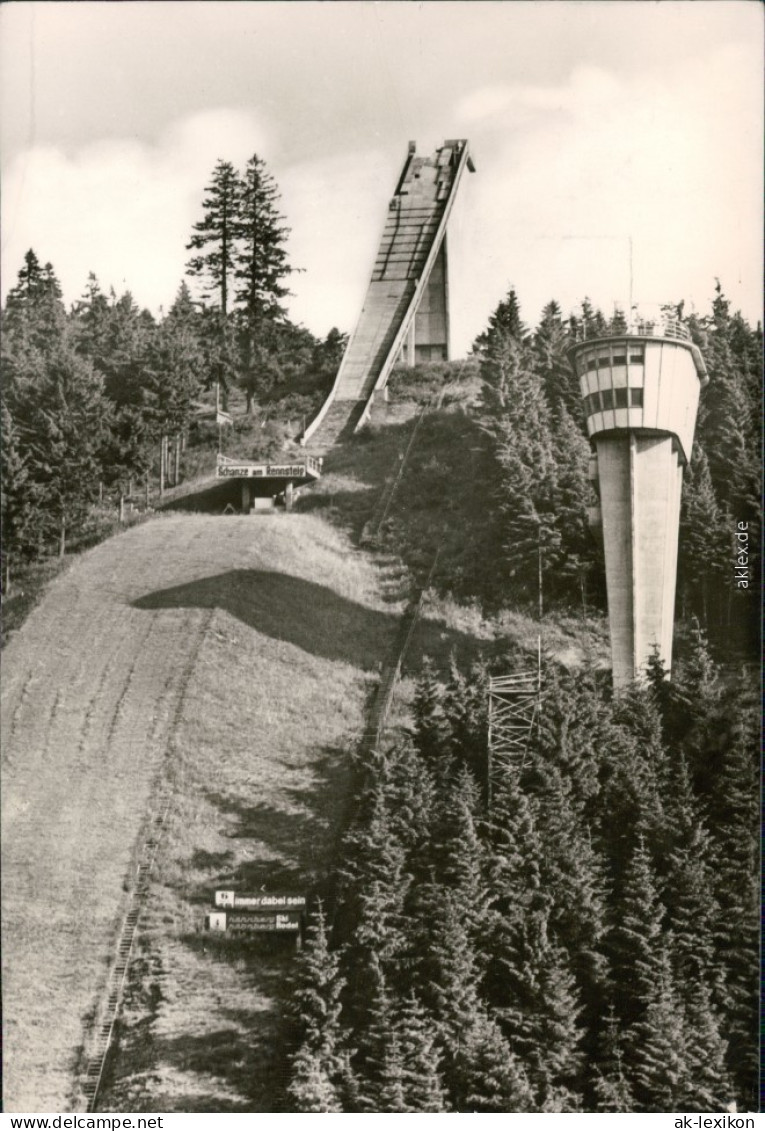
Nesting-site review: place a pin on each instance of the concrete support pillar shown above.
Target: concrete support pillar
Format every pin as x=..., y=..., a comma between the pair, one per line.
x=640, y=479
x=289, y=495
x=246, y=496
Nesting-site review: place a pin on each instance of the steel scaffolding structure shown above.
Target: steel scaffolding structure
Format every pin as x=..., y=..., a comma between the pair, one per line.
x=514, y=702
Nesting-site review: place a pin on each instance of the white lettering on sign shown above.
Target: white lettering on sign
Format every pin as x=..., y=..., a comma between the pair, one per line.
x=248, y=921
x=274, y=902
x=260, y=471
x=289, y=471
x=229, y=471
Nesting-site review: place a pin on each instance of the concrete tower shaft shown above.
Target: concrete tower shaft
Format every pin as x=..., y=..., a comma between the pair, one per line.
x=641, y=395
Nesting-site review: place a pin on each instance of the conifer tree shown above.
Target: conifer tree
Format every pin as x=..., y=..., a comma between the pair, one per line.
x=688, y=892
x=487, y=1077
x=658, y=1065
x=550, y=343
x=422, y=1083
x=374, y=878
x=457, y=852
x=261, y=267
x=62, y=426
x=317, y=999
x=708, y=1086
x=91, y=319
x=34, y=317
x=311, y=1089
x=411, y=793
x=704, y=537
x=215, y=234
x=430, y=725
x=379, y=1062
x=465, y=706
x=19, y=519
x=540, y=1009
x=733, y=820
x=635, y=938
x=610, y=1087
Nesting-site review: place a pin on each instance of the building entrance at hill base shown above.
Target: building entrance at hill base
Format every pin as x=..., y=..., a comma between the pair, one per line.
x=264, y=487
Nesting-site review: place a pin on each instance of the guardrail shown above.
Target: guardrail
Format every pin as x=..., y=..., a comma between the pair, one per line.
x=395, y=348
x=420, y=285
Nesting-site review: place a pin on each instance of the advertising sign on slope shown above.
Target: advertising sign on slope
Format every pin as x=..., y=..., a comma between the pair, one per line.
x=250, y=922
x=273, y=901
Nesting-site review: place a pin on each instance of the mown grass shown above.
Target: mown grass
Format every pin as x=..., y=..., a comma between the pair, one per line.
x=443, y=503
x=260, y=763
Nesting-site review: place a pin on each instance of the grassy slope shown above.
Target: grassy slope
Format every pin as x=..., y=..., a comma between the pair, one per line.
x=441, y=501
x=251, y=645
x=233, y=658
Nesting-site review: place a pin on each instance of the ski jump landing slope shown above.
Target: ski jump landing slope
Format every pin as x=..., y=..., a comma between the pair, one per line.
x=169, y=659
x=411, y=241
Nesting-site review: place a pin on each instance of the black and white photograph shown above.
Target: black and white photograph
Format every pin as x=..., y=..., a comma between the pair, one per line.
x=380, y=400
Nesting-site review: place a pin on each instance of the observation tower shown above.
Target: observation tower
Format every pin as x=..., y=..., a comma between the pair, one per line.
x=641, y=393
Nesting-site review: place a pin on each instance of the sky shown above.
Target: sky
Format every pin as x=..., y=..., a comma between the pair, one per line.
x=617, y=143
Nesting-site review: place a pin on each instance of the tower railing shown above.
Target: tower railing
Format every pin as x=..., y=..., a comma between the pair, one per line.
x=638, y=328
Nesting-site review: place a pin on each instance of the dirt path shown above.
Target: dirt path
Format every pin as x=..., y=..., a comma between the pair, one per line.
x=231, y=656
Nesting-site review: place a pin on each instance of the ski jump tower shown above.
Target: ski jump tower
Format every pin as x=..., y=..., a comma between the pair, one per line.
x=641, y=394
x=406, y=308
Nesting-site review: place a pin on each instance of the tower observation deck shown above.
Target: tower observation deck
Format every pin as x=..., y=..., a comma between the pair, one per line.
x=641, y=394
x=406, y=308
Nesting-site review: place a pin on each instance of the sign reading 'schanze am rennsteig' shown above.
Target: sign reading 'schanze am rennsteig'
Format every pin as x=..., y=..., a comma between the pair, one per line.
x=261, y=471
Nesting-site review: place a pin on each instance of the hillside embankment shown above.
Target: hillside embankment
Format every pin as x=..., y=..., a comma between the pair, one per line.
x=227, y=662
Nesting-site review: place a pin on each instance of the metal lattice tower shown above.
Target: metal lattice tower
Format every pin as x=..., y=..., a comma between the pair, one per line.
x=514, y=703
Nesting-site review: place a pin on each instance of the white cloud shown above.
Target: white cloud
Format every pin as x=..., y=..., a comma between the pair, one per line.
x=670, y=156
x=120, y=207
x=568, y=174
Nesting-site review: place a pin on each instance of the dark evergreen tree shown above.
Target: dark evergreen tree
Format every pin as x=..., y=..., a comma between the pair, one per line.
x=19, y=517
x=550, y=343
x=216, y=233
x=487, y=1075
x=423, y=1086
x=311, y=1089
x=540, y=1010
x=708, y=1086
x=636, y=942
x=704, y=539
x=34, y=317
x=62, y=425
x=430, y=725
x=92, y=324
x=610, y=1087
x=465, y=706
x=261, y=268
x=733, y=822
x=658, y=1064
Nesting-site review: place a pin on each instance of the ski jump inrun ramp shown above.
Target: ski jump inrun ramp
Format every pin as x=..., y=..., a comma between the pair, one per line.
x=405, y=311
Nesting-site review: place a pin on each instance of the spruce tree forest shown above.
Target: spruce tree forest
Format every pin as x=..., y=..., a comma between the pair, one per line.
x=585, y=938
